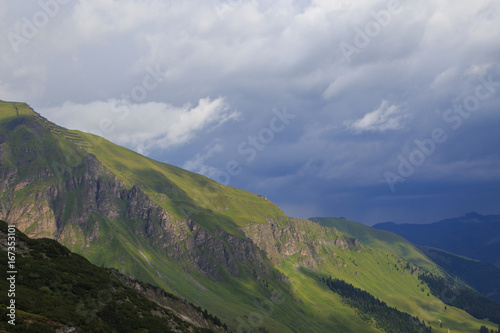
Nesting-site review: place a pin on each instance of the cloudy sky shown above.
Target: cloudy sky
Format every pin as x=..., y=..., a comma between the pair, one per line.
x=371, y=110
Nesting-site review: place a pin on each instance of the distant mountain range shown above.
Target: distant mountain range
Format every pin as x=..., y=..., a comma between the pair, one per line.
x=483, y=276
x=473, y=235
x=226, y=250
x=466, y=246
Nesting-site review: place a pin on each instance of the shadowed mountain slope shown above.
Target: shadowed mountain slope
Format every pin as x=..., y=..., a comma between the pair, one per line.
x=472, y=235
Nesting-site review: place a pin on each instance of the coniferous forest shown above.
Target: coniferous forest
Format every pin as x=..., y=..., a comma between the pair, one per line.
x=463, y=298
x=387, y=318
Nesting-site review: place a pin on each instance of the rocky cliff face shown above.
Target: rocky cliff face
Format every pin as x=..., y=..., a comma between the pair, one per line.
x=43, y=203
x=305, y=241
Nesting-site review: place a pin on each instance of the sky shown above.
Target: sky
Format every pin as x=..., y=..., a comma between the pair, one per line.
x=370, y=110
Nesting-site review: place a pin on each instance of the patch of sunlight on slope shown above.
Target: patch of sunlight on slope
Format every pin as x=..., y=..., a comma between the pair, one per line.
x=321, y=305
x=9, y=110
x=384, y=240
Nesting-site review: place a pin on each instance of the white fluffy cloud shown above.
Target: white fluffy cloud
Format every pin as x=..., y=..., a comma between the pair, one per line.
x=143, y=126
x=385, y=117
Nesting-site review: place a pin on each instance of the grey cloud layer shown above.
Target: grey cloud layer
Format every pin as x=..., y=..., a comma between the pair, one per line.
x=227, y=64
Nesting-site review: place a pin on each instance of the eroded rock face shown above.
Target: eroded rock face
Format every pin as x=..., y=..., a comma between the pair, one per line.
x=233, y=252
x=41, y=205
x=300, y=238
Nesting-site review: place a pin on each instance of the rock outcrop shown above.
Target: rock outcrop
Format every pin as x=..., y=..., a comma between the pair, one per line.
x=306, y=241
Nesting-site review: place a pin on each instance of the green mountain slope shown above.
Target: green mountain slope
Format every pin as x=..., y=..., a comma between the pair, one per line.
x=380, y=239
x=453, y=265
x=227, y=250
x=484, y=277
x=52, y=283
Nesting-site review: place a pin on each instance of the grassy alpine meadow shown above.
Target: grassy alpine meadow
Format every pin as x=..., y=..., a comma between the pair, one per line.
x=402, y=291
x=11, y=110
x=390, y=255
x=374, y=238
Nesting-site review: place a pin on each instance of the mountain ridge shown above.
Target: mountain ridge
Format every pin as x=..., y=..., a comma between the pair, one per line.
x=482, y=276
x=228, y=250
x=460, y=235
